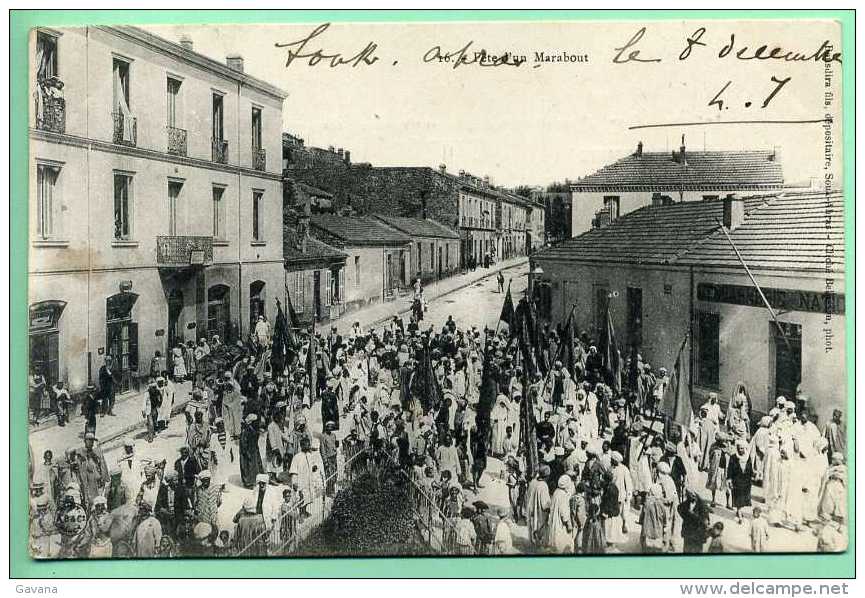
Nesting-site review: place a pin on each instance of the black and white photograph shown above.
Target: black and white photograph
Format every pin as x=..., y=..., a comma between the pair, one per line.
x=368, y=289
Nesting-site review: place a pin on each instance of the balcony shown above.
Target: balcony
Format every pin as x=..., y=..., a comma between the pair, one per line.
x=52, y=116
x=176, y=141
x=125, y=129
x=220, y=151
x=259, y=159
x=183, y=251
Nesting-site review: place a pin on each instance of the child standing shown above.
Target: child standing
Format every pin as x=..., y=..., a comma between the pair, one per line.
x=759, y=532
x=716, y=535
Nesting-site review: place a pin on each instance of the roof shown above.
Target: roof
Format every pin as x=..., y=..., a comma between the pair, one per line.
x=315, y=250
x=313, y=191
x=418, y=227
x=196, y=58
x=786, y=231
x=358, y=230
x=717, y=170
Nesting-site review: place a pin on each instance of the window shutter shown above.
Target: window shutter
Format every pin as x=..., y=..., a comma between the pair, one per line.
x=327, y=287
x=341, y=287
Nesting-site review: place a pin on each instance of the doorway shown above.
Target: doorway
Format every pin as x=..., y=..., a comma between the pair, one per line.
x=635, y=316
x=121, y=337
x=219, y=312
x=175, y=310
x=788, y=358
x=257, y=304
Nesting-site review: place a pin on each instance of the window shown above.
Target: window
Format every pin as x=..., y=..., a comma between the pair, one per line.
x=46, y=56
x=122, y=206
x=635, y=316
x=47, y=216
x=356, y=271
x=122, y=102
x=611, y=205
x=257, y=233
x=218, y=131
x=219, y=228
x=708, y=349
x=328, y=288
x=600, y=299
x=256, y=129
x=174, y=189
x=788, y=357
x=172, y=95
x=299, y=297
x=432, y=257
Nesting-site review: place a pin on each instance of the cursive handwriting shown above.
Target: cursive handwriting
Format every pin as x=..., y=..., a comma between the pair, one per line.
x=823, y=54
x=365, y=57
x=633, y=55
x=463, y=56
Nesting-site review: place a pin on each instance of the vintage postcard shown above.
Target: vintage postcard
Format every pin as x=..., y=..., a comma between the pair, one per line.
x=456, y=288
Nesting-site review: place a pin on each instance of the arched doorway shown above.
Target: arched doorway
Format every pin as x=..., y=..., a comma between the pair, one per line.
x=219, y=311
x=121, y=337
x=45, y=338
x=257, y=303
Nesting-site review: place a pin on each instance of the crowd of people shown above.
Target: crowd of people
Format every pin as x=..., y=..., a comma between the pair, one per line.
x=585, y=456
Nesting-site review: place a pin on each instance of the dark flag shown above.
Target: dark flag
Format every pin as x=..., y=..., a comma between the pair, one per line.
x=528, y=433
x=569, y=354
x=507, y=315
x=610, y=354
x=429, y=392
x=676, y=403
x=312, y=366
x=524, y=338
x=293, y=323
x=280, y=347
x=488, y=392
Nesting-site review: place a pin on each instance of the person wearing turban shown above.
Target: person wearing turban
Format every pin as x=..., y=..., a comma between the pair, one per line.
x=739, y=474
x=250, y=455
x=537, y=505
x=559, y=525
x=250, y=531
x=653, y=519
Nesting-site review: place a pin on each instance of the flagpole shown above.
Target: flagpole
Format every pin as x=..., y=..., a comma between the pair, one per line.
x=558, y=352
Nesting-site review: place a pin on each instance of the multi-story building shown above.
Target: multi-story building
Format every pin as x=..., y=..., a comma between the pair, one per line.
x=536, y=233
x=155, y=199
x=435, y=248
x=557, y=211
x=685, y=175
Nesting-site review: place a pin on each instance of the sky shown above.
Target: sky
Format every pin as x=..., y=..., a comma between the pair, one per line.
x=527, y=125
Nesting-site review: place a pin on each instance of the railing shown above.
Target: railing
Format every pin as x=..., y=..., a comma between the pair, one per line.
x=180, y=251
x=176, y=141
x=53, y=115
x=290, y=529
x=220, y=151
x=259, y=159
x=125, y=129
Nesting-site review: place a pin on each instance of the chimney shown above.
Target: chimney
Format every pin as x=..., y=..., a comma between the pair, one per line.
x=639, y=152
x=331, y=149
x=682, y=159
x=339, y=152
x=347, y=157
x=234, y=62
x=486, y=181
x=657, y=200
x=462, y=174
x=734, y=211
x=774, y=157
x=443, y=168
x=186, y=42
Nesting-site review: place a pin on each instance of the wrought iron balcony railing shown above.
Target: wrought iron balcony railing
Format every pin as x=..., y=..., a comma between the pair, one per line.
x=220, y=151
x=259, y=159
x=53, y=115
x=125, y=129
x=176, y=141
x=181, y=251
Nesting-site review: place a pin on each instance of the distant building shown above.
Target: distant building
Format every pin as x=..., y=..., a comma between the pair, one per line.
x=155, y=200
x=557, y=213
x=377, y=267
x=435, y=248
x=668, y=270
x=489, y=220
x=642, y=177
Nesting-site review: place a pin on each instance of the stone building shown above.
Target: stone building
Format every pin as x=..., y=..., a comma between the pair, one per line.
x=669, y=271
x=155, y=199
x=642, y=178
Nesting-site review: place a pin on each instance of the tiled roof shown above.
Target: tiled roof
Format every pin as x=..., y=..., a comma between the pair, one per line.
x=418, y=227
x=315, y=250
x=779, y=231
x=723, y=170
x=786, y=232
x=313, y=191
x=358, y=230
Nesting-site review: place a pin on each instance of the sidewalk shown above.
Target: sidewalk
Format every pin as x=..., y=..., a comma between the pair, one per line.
x=109, y=430
x=127, y=418
x=378, y=314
